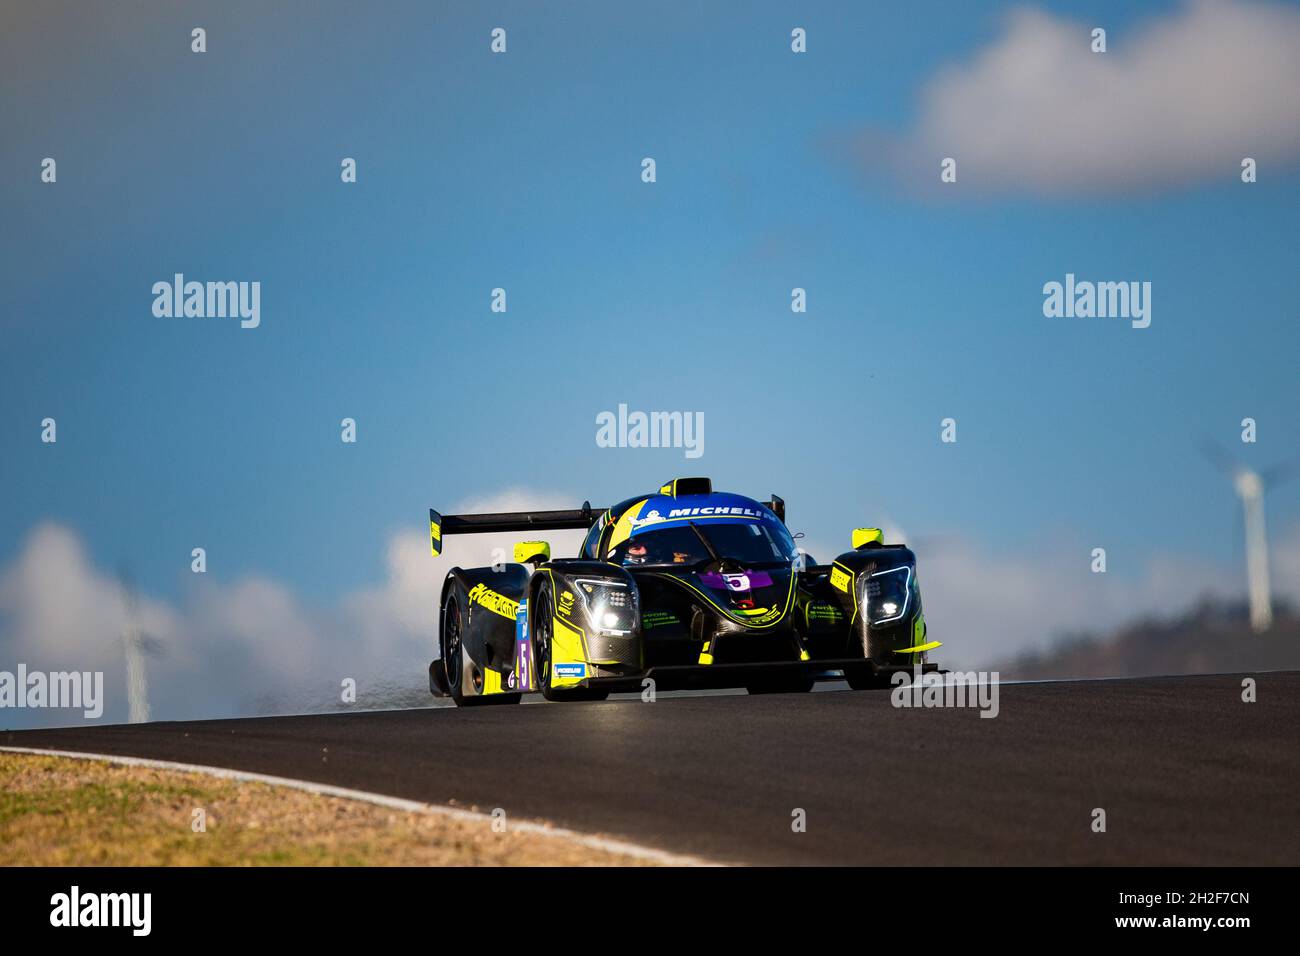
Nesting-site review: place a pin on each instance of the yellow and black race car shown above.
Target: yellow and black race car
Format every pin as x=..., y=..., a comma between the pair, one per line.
x=685, y=588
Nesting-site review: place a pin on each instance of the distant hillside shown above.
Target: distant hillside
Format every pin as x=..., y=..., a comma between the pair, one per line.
x=1211, y=638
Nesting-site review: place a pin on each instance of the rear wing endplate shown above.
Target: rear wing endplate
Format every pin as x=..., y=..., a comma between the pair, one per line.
x=574, y=519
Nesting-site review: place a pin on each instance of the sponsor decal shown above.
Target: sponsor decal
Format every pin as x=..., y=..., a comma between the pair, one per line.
x=520, y=678
x=658, y=619
x=819, y=611
x=775, y=614
x=570, y=670
x=494, y=602
x=654, y=516
x=651, y=517
x=840, y=580
x=744, y=581
x=678, y=514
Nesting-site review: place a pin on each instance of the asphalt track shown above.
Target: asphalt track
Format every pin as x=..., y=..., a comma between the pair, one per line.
x=1186, y=772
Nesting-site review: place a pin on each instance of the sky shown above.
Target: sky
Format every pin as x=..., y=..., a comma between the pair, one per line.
x=523, y=170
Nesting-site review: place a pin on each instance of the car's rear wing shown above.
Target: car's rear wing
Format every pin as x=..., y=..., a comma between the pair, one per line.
x=577, y=518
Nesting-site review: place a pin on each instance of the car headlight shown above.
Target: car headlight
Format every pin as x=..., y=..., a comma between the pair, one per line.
x=610, y=605
x=887, y=594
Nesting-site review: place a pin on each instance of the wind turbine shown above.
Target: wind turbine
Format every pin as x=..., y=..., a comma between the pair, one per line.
x=1250, y=486
x=135, y=644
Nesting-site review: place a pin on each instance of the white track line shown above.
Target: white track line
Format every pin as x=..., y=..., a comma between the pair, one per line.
x=396, y=803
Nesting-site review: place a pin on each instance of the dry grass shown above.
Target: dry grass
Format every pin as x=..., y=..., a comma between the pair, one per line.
x=57, y=811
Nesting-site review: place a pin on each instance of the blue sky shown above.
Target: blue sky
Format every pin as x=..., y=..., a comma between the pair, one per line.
x=523, y=171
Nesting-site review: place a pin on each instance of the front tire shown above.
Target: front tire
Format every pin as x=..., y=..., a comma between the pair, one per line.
x=866, y=681
x=781, y=685
x=877, y=648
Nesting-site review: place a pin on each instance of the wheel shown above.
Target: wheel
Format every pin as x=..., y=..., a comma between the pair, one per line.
x=458, y=667
x=781, y=685
x=866, y=681
x=542, y=627
x=877, y=648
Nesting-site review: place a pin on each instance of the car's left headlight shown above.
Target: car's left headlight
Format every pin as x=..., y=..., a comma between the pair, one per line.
x=610, y=605
x=886, y=594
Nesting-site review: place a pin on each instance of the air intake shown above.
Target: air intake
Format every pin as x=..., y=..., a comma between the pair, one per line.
x=687, y=486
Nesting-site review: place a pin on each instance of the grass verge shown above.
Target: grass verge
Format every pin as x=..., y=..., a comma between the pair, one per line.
x=57, y=811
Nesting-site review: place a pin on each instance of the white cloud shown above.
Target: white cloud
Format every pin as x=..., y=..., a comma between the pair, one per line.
x=1180, y=98
x=247, y=646
x=58, y=608
x=988, y=608
x=399, y=617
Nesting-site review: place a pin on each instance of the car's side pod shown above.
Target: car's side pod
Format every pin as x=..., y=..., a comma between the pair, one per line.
x=876, y=588
x=851, y=567
x=491, y=597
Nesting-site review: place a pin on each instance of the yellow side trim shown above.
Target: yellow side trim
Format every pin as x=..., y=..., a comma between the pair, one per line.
x=492, y=682
x=776, y=614
x=623, y=527
x=920, y=647
x=705, y=656
x=851, y=591
x=566, y=648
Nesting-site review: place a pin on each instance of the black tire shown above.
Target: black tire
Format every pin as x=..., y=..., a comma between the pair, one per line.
x=540, y=618
x=868, y=680
x=877, y=648
x=781, y=685
x=455, y=661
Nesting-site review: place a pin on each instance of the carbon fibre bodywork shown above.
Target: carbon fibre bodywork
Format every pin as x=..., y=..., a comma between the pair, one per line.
x=685, y=588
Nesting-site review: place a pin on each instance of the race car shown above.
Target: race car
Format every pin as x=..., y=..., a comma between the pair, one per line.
x=683, y=588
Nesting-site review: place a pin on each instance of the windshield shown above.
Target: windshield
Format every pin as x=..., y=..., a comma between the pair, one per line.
x=751, y=544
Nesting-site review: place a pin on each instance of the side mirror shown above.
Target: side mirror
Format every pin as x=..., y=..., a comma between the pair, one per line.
x=529, y=552
x=865, y=536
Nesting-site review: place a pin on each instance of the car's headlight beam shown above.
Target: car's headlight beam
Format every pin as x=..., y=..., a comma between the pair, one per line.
x=610, y=605
x=875, y=599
